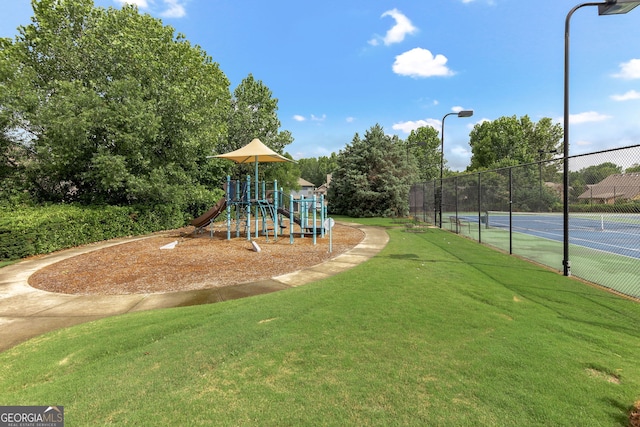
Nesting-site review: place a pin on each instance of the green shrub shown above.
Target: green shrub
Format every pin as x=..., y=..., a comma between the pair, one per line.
x=26, y=230
x=618, y=207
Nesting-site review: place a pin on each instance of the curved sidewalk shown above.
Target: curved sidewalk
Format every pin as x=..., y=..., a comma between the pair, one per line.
x=26, y=312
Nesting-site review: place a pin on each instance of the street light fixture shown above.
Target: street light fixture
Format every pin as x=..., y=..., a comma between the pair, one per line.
x=463, y=113
x=613, y=7
x=608, y=7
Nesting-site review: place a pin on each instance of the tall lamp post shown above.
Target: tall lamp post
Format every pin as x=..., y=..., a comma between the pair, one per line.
x=608, y=7
x=463, y=113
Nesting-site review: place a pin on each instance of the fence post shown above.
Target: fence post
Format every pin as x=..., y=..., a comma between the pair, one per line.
x=228, y=196
x=276, y=201
x=479, y=207
x=435, y=203
x=238, y=198
x=314, y=219
x=323, y=216
x=290, y=219
x=248, y=207
x=511, y=211
x=424, y=202
x=455, y=182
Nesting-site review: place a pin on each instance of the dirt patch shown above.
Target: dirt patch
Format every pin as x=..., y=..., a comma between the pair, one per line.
x=198, y=261
x=610, y=378
x=634, y=417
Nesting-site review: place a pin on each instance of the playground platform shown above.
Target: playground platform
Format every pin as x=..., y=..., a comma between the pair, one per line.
x=26, y=312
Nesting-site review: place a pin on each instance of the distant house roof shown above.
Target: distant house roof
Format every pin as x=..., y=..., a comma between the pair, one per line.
x=620, y=186
x=324, y=188
x=304, y=183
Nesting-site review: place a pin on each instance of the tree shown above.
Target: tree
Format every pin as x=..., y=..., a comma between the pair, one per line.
x=327, y=165
x=373, y=177
x=633, y=168
x=509, y=141
x=315, y=170
x=423, y=144
x=285, y=173
x=13, y=145
x=596, y=173
x=254, y=115
x=310, y=170
x=118, y=108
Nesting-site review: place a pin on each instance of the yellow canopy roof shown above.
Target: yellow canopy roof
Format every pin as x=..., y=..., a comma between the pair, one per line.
x=254, y=152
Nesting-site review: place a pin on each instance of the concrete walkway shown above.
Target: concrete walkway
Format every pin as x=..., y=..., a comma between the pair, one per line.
x=26, y=312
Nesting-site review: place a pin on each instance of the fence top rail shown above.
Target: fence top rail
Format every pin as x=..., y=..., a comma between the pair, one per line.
x=540, y=162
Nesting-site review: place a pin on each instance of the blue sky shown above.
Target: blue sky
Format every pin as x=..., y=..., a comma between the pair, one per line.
x=340, y=67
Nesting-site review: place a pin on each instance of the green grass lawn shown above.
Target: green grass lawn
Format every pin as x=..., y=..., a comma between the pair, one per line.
x=435, y=330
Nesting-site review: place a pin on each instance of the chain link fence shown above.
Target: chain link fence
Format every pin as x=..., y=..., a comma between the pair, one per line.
x=520, y=210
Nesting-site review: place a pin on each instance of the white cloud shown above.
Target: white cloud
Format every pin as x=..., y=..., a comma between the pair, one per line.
x=470, y=126
x=457, y=109
x=313, y=118
x=629, y=70
x=461, y=151
x=420, y=62
x=489, y=2
x=398, y=32
x=587, y=117
x=142, y=4
x=407, y=127
x=174, y=9
x=350, y=119
x=632, y=94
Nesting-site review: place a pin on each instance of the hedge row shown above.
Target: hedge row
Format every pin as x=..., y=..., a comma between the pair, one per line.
x=626, y=207
x=27, y=231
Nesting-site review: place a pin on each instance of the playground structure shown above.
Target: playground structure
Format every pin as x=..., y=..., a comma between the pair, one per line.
x=257, y=211
x=268, y=208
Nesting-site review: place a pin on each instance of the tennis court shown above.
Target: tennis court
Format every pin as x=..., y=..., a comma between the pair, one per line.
x=511, y=209
x=609, y=232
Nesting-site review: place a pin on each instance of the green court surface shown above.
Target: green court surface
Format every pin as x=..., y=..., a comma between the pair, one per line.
x=617, y=272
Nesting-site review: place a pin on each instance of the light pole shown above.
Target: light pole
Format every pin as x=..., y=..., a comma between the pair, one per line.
x=609, y=7
x=463, y=113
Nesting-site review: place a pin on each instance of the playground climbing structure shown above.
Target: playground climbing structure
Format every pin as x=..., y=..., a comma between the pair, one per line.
x=257, y=211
